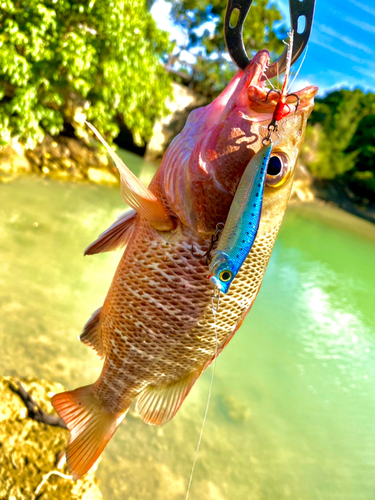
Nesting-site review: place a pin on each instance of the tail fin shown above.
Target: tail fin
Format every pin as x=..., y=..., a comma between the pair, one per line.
x=91, y=427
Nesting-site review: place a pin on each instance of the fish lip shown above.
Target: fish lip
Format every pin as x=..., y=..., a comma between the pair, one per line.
x=259, y=64
x=257, y=88
x=250, y=94
x=258, y=94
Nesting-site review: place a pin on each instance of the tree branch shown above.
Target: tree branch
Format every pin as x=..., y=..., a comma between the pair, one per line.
x=34, y=410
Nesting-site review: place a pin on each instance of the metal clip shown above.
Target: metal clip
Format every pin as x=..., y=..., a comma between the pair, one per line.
x=214, y=239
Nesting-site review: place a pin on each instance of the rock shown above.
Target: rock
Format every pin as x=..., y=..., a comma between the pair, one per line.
x=165, y=130
x=302, y=185
x=101, y=176
x=13, y=161
x=66, y=158
x=29, y=450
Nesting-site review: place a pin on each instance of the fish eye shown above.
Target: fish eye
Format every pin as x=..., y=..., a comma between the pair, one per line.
x=225, y=276
x=277, y=169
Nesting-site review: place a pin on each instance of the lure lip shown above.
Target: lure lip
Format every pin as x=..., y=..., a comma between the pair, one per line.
x=223, y=287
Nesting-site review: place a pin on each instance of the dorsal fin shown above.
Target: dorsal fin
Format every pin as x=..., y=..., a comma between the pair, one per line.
x=91, y=334
x=135, y=194
x=157, y=405
x=116, y=236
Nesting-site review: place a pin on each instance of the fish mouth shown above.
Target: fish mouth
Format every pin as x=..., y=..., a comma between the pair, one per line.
x=250, y=91
x=262, y=98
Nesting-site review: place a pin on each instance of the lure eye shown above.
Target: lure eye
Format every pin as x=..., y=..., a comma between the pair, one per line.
x=277, y=170
x=225, y=276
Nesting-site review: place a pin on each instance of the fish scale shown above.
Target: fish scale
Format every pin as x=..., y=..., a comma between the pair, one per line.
x=185, y=326
x=156, y=328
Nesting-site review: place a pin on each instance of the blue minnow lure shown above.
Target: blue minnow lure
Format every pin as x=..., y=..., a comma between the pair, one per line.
x=242, y=223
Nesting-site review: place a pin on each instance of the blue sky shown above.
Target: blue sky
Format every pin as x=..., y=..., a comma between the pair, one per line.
x=341, y=51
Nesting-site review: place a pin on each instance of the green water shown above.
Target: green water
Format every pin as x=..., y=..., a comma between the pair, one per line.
x=292, y=414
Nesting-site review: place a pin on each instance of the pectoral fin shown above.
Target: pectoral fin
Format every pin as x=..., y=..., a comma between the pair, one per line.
x=135, y=194
x=115, y=237
x=157, y=405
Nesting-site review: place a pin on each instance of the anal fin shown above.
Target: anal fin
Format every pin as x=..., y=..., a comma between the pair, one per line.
x=91, y=334
x=91, y=427
x=116, y=236
x=159, y=404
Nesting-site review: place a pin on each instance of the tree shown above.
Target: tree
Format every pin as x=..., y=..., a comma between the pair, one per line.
x=363, y=144
x=212, y=71
x=336, y=121
x=63, y=59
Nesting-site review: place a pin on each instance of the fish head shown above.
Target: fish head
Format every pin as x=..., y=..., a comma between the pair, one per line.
x=222, y=271
x=201, y=169
x=287, y=144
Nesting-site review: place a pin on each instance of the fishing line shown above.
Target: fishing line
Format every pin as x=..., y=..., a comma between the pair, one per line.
x=269, y=81
x=214, y=311
x=299, y=69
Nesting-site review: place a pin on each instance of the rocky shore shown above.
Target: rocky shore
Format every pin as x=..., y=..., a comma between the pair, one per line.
x=32, y=460
x=68, y=159
x=61, y=158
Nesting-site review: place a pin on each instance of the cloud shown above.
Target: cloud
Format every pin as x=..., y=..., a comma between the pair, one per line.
x=356, y=22
x=331, y=80
x=335, y=50
x=345, y=39
x=364, y=7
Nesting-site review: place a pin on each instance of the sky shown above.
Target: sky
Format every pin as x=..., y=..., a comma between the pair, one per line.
x=341, y=50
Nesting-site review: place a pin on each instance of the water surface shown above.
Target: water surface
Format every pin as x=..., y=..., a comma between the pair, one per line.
x=292, y=414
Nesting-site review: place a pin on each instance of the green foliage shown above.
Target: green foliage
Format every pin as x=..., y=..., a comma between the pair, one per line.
x=100, y=57
x=341, y=135
x=211, y=73
x=363, y=142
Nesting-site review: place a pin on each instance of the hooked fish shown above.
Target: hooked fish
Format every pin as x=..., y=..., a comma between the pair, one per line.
x=156, y=329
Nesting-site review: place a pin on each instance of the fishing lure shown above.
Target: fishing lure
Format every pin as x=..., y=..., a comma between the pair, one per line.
x=242, y=223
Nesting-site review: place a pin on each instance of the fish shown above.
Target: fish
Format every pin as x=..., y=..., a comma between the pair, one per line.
x=156, y=330
x=242, y=223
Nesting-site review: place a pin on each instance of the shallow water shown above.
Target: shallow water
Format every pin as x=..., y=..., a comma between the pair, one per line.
x=293, y=407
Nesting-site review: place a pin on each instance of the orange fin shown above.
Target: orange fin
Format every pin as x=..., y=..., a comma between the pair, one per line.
x=91, y=427
x=158, y=405
x=115, y=237
x=135, y=194
x=92, y=335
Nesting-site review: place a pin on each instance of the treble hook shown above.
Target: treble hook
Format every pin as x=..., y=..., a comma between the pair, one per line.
x=299, y=10
x=214, y=238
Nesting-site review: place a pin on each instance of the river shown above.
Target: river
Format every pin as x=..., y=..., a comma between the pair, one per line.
x=292, y=414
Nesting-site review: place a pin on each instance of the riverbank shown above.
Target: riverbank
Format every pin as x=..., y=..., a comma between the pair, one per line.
x=338, y=194
x=61, y=158
x=71, y=160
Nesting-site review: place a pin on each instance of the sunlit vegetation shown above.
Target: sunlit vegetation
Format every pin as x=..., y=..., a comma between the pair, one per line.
x=340, y=140
x=63, y=60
